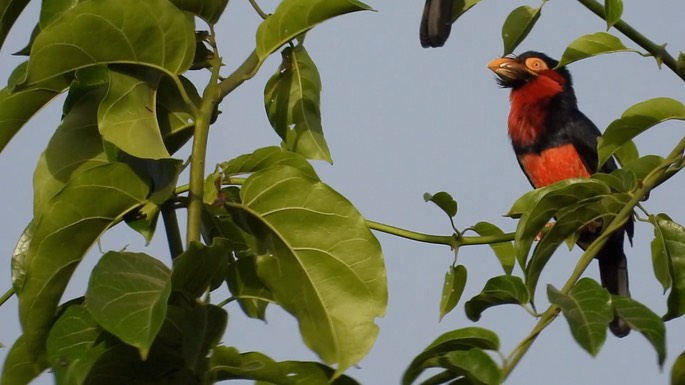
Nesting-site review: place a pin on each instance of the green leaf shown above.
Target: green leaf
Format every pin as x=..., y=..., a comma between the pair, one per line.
x=455, y=340
x=455, y=281
x=226, y=363
x=672, y=239
x=71, y=345
x=661, y=261
x=9, y=12
x=294, y=17
x=51, y=10
x=503, y=250
x=475, y=365
x=459, y=7
x=20, y=366
x=613, y=9
x=104, y=194
x=592, y=45
x=319, y=259
x=542, y=205
x=244, y=284
x=306, y=373
x=642, y=319
x=265, y=158
x=444, y=201
x=678, y=370
x=19, y=257
x=517, y=26
x=144, y=220
x=198, y=267
x=208, y=10
x=153, y=33
x=17, y=107
x=127, y=116
x=504, y=289
x=587, y=309
x=635, y=120
x=127, y=295
x=569, y=220
x=174, y=117
x=292, y=100
x=75, y=147
x=626, y=153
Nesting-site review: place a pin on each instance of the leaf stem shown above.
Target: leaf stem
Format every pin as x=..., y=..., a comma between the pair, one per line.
x=246, y=71
x=654, y=178
x=257, y=9
x=8, y=294
x=658, y=51
x=210, y=98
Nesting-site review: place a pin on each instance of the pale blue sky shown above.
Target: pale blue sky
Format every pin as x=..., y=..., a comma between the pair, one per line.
x=400, y=121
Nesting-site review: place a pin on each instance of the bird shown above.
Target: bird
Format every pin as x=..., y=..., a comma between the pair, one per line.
x=436, y=23
x=553, y=140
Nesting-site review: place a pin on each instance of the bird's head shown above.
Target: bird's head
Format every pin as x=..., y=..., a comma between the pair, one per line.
x=516, y=71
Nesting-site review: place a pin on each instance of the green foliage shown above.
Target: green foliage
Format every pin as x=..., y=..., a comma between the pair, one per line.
x=264, y=223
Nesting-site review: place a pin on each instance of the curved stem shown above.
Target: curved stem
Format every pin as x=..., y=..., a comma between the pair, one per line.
x=658, y=51
x=450, y=240
x=8, y=294
x=653, y=179
x=173, y=233
x=257, y=9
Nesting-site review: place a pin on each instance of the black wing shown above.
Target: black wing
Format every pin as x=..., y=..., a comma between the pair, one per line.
x=584, y=135
x=436, y=23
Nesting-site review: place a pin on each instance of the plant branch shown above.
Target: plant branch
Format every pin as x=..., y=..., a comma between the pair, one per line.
x=654, y=178
x=210, y=98
x=257, y=9
x=451, y=240
x=246, y=71
x=658, y=51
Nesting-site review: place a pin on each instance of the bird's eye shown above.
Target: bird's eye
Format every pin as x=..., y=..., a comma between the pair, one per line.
x=536, y=64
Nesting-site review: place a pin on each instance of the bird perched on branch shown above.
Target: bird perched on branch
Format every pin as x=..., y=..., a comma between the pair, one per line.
x=554, y=141
x=436, y=23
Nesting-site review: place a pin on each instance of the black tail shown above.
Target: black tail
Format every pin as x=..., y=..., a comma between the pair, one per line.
x=436, y=23
x=613, y=271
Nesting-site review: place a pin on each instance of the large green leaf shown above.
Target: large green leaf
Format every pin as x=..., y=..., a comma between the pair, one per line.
x=592, y=45
x=208, y=10
x=127, y=114
x=20, y=366
x=672, y=243
x=292, y=99
x=569, y=220
x=504, y=289
x=72, y=345
x=542, y=205
x=455, y=281
x=16, y=108
x=474, y=365
x=53, y=9
x=264, y=158
x=76, y=146
x=661, y=261
x=152, y=32
x=174, y=116
x=644, y=320
x=127, y=295
x=244, y=283
x=517, y=26
x=76, y=216
x=306, y=373
x=226, y=363
x=293, y=17
x=319, y=259
x=456, y=340
x=9, y=12
x=635, y=120
x=198, y=267
x=587, y=308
